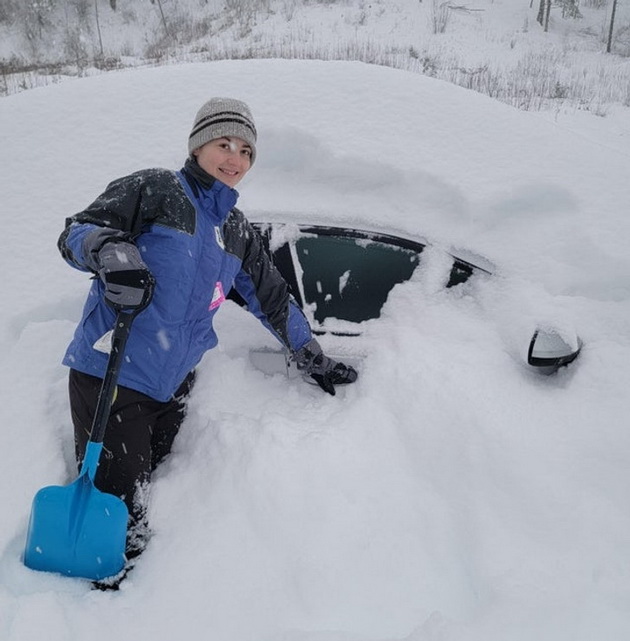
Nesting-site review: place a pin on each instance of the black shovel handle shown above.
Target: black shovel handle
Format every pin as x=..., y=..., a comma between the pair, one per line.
x=114, y=363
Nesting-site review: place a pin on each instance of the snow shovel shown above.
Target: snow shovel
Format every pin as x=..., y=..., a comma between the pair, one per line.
x=77, y=530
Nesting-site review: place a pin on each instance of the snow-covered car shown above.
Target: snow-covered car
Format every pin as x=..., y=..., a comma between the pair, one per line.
x=342, y=276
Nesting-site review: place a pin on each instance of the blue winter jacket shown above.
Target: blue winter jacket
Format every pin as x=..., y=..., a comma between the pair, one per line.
x=198, y=247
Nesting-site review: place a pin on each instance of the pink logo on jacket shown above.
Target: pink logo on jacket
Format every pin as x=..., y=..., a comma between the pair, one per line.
x=218, y=296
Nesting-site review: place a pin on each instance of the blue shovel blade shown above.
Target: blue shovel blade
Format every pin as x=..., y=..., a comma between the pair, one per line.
x=77, y=530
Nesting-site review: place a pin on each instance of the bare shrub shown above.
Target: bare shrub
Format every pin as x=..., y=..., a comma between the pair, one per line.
x=203, y=28
x=439, y=16
x=288, y=10
x=244, y=6
x=622, y=40
x=81, y=8
x=8, y=11
x=570, y=9
x=75, y=50
x=128, y=15
x=35, y=20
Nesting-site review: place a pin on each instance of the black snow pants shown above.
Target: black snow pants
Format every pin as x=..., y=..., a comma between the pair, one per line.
x=140, y=433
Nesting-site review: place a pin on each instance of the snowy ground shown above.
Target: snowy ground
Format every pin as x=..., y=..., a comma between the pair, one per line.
x=451, y=493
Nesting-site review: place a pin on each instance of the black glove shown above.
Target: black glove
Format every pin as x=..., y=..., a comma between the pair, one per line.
x=323, y=370
x=128, y=281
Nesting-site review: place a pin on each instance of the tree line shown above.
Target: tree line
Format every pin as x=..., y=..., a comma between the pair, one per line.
x=68, y=24
x=571, y=9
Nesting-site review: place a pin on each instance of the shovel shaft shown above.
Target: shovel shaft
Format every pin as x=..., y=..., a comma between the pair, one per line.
x=91, y=458
x=106, y=396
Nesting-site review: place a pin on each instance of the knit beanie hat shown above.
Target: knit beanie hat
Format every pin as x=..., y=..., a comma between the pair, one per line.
x=221, y=117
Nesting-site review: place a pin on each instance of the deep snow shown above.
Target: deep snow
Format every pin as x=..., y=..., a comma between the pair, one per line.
x=451, y=493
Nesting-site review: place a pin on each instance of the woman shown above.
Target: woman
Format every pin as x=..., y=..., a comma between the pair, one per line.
x=173, y=245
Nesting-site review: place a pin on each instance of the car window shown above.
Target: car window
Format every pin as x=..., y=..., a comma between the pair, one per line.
x=345, y=273
x=349, y=278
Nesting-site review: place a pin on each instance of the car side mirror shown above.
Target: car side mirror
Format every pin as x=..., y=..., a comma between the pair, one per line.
x=549, y=350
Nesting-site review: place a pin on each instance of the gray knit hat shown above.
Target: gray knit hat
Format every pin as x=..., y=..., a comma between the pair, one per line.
x=221, y=117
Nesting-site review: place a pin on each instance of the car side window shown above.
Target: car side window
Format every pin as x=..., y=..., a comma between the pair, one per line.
x=349, y=278
x=345, y=273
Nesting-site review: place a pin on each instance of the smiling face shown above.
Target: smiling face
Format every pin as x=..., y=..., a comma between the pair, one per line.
x=226, y=159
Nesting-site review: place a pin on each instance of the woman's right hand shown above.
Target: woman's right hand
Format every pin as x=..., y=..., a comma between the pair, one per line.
x=128, y=282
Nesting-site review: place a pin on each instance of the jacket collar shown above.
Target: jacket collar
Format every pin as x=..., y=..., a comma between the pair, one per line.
x=194, y=171
x=198, y=178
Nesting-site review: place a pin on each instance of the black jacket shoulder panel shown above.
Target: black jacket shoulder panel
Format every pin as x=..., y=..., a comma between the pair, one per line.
x=149, y=196
x=238, y=233
x=259, y=276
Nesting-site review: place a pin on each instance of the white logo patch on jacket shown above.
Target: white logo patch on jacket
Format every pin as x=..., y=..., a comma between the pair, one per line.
x=219, y=237
x=104, y=343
